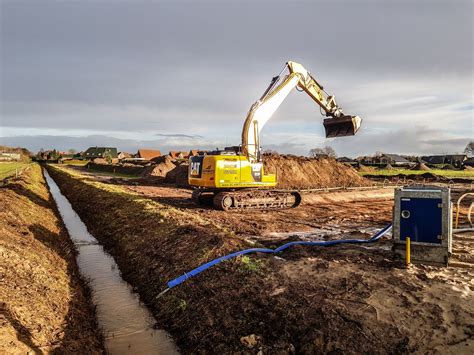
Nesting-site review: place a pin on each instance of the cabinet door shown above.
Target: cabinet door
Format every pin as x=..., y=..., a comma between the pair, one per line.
x=421, y=219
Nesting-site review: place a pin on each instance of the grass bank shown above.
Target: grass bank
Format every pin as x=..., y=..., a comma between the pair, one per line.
x=10, y=168
x=44, y=304
x=75, y=162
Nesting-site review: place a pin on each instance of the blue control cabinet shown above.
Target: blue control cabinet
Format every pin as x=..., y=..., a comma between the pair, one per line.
x=423, y=213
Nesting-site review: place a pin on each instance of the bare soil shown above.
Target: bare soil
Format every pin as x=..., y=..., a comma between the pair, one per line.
x=44, y=304
x=301, y=172
x=344, y=299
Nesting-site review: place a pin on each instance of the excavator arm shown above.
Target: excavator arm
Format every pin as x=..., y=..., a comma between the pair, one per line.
x=336, y=125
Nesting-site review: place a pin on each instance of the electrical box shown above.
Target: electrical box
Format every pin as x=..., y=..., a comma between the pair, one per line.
x=423, y=213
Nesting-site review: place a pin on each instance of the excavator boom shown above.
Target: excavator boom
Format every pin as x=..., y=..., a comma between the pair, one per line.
x=336, y=125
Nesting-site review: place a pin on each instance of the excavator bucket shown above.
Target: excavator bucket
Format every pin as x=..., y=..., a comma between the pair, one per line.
x=342, y=126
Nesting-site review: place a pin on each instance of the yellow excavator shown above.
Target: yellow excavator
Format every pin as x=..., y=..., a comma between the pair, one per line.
x=234, y=178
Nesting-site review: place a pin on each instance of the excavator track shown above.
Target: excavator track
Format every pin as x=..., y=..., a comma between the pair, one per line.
x=256, y=200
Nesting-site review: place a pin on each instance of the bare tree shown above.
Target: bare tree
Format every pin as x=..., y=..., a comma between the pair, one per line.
x=326, y=151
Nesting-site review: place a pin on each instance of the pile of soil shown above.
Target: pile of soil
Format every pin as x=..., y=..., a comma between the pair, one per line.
x=167, y=170
x=163, y=165
x=101, y=161
x=179, y=175
x=468, y=168
x=365, y=169
x=44, y=304
x=421, y=166
x=301, y=172
x=389, y=167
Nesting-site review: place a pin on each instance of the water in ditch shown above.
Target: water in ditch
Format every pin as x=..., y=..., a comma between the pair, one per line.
x=127, y=324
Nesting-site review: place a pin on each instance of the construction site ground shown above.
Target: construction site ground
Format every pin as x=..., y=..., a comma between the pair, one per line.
x=45, y=304
x=345, y=298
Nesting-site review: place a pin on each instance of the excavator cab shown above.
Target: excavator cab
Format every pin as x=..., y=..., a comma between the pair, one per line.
x=341, y=126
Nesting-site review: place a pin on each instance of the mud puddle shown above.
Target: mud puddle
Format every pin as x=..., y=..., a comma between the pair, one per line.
x=127, y=324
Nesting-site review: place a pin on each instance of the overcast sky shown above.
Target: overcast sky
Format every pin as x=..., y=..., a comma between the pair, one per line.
x=183, y=74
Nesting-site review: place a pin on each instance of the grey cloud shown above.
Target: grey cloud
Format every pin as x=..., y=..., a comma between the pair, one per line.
x=177, y=135
x=166, y=66
x=415, y=140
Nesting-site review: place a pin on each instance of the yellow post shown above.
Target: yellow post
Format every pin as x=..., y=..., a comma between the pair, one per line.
x=407, y=255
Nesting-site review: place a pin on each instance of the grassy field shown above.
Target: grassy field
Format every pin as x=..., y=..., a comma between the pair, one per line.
x=86, y=170
x=445, y=173
x=9, y=168
x=75, y=162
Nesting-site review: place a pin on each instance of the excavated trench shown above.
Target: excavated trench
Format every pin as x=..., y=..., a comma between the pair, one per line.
x=127, y=324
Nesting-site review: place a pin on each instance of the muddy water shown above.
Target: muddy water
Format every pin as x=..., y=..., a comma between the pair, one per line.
x=126, y=323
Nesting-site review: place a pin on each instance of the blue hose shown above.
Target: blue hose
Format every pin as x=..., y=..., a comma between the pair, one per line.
x=207, y=265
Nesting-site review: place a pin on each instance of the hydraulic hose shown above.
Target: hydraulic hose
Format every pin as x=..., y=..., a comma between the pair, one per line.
x=199, y=269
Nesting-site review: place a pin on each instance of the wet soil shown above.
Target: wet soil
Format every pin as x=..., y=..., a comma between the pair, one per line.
x=44, y=303
x=344, y=299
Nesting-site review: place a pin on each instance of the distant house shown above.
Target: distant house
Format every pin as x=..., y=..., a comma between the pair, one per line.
x=394, y=159
x=384, y=159
x=148, y=154
x=179, y=155
x=10, y=156
x=456, y=160
x=434, y=159
x=347, y=161
x=100, y=152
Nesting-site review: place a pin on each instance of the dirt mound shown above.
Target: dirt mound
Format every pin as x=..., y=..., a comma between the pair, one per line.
x=178, y=175
x=302, y=172
x=100, y=161
x=421, y=166
x=468, y=168
x=162, y=167
x=389, y=167
x=168, y=170
x=365, y=169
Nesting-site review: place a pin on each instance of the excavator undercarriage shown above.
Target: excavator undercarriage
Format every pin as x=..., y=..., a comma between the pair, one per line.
x=248, y=199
